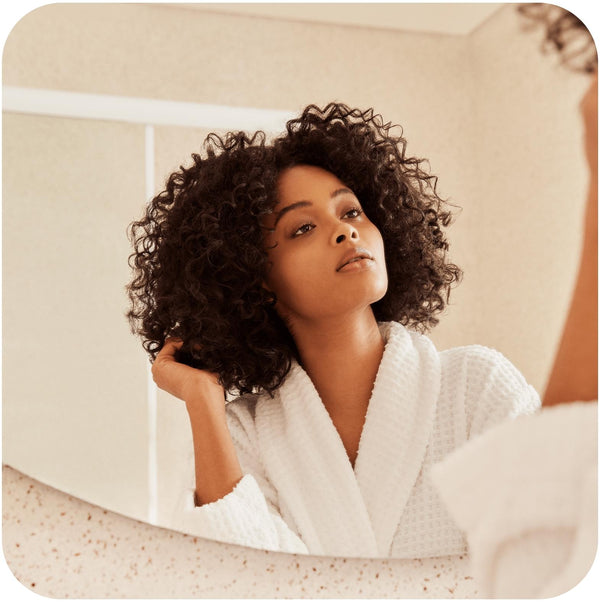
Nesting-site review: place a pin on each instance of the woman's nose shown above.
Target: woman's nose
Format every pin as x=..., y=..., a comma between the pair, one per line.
x=345, y=231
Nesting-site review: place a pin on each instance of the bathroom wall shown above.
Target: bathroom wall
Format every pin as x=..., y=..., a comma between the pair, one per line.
x=495, y=117
x=526, y=208
x=74, y=398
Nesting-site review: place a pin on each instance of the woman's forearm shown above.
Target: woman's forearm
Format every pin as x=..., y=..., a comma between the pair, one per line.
x=574, y=375
x=217, y=467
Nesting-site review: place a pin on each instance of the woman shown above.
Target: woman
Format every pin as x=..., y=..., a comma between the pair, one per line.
x=299, y=276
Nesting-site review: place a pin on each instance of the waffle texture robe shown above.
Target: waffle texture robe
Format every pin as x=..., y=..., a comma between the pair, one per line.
x=300, y=493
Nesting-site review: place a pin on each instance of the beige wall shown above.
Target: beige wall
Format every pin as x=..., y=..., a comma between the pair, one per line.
x=528, y=196
x=495, y=117
x=74, y=400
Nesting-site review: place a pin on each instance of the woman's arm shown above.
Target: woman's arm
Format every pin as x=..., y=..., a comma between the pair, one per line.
x=216, y=463
x=227, y=505
x=217, y=467
x=574, y=375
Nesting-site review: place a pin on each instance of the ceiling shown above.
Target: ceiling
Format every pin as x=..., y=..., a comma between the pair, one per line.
x=446, y=18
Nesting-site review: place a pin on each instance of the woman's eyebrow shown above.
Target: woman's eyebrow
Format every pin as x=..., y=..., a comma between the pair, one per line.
x=299, y=204
x=295, y=205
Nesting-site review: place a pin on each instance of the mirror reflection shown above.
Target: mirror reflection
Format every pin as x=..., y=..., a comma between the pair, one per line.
x=292, y=286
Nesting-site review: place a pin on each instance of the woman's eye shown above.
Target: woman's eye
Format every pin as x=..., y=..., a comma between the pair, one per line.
x=302, y=230
x=353, y=212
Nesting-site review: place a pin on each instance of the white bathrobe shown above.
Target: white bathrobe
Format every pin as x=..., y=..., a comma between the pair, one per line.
x=300, y=493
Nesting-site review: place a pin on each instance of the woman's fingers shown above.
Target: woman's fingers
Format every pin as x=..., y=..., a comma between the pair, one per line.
x=181, y=380
x=167, y=353
x=171, y=345
x=165, y=358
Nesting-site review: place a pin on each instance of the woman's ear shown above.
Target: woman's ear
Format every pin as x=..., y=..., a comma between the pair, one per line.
x=271, y=296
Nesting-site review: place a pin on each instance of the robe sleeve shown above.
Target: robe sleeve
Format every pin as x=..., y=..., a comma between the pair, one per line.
x=496, y=391
x=249, y=514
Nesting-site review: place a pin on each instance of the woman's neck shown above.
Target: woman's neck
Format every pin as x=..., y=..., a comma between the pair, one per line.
x=341, y=356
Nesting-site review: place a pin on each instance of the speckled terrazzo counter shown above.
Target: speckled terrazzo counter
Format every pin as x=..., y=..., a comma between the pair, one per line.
x=60, y=546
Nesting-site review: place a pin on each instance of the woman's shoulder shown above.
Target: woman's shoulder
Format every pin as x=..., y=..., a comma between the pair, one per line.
x=483, y=367
x=493, y=387
x=475, y=355
x=473, y=351
x=240, y=412
x=243, y=409
x=242, y=406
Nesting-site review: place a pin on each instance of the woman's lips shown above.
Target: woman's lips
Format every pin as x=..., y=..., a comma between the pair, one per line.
x=358, y=257
x=358, y=265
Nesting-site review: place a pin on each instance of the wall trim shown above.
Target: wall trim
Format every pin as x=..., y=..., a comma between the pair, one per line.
x=60, y=103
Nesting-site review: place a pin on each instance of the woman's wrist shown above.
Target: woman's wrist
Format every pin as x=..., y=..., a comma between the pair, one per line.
x=203, y=397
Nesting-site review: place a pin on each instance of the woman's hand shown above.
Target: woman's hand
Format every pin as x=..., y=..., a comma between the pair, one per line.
x=195, y=387
x=216, y=463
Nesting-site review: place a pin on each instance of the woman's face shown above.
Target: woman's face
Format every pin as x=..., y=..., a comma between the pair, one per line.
x=326, y=256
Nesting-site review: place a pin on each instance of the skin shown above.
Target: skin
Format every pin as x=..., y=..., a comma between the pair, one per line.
x=316, y=222
x=217, y=468
x=574, y=375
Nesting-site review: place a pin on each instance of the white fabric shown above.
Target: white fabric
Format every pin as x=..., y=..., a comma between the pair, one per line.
x=300, y=493
x=525, y=494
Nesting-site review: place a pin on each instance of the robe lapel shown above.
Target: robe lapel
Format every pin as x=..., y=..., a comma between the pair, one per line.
x=337, y=510
x=306, y=461
x=397, y=428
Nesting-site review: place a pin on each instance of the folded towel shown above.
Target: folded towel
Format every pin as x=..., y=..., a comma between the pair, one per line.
x=525, y=495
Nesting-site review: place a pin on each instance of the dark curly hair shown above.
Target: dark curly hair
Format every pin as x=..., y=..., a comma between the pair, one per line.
x=200, y=262
x=565, y=34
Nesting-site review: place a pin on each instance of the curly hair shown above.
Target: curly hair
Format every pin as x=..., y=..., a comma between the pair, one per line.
x=565, y=34
x=199, y=259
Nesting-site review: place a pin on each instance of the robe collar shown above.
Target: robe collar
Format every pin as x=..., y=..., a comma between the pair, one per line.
x=336, y=509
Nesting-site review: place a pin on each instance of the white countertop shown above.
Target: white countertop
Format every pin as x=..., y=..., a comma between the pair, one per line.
x=59, y=546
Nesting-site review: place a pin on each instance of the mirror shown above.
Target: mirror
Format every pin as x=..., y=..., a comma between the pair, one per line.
x=102, y=102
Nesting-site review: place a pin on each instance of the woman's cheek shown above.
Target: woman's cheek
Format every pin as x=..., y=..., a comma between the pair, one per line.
x=301, y=288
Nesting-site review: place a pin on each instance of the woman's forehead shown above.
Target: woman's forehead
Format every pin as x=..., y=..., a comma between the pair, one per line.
x=304, y=183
